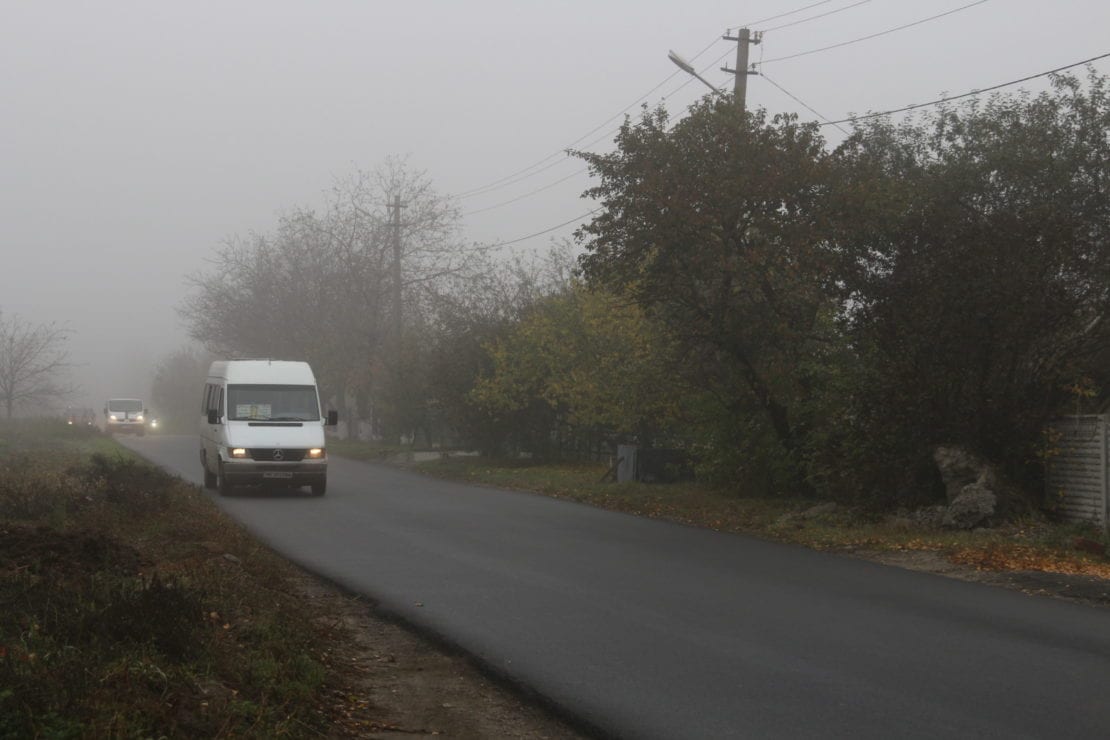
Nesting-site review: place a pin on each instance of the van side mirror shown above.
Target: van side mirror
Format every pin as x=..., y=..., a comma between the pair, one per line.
x=333, y=418
x=213, y=416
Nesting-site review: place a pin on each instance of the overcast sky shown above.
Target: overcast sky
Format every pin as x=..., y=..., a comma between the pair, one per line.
x=135, y=136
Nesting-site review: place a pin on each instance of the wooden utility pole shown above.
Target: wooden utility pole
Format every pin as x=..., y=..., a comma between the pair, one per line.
x=395, y=228
x=744, y=40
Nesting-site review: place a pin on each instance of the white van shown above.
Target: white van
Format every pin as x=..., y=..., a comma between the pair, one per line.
x=261, y=423
x=124, y=416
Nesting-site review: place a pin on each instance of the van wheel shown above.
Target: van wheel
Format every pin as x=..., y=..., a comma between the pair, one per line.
x=222, y=485
x=209, y=476
x=319, y=489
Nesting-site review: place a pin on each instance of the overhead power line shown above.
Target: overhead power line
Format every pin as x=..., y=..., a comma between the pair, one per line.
x=526, y=172
x=874, y=35
x=980, y=91
x=850, y=120
x=815, y=17
x=802, y=102
x=783, y=15
x=546, y=163
x=548, y=230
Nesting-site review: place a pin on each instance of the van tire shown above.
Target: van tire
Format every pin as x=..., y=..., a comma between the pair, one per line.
x=209, y=476
x=319, y=489
x=222, y=484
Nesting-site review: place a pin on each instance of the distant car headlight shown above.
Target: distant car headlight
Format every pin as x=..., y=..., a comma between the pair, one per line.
x=238, y=452
x=316, y=453
x=153, y=422
x=69, y=421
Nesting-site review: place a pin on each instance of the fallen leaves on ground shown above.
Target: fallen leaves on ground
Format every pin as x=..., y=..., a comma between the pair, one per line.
x=1020, y=557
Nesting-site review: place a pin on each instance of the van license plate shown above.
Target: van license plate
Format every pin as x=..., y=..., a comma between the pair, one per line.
x=277, y=475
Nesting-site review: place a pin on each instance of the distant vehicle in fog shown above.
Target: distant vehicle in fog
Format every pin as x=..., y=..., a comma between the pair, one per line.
x=125, y=416
x=261, y=423
x=83, y=417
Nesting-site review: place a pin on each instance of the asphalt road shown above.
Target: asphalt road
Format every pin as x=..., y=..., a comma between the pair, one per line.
x=646, y=629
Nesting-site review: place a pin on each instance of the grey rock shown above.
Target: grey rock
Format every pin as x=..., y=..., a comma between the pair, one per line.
x=972, y=508
x=960, y=468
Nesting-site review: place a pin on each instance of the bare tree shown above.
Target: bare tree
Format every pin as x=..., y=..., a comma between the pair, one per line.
x=32, y=360
x=324, y=286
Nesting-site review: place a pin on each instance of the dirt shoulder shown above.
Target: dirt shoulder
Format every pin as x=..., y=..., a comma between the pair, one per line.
x=398, y=682
x=131, y=605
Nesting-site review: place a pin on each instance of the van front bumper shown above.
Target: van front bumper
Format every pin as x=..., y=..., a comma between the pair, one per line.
x=124, y=427
x=245, y=472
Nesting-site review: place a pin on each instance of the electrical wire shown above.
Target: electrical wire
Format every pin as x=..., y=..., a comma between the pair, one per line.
x=782, y=15
x=875, y=35
x=548, y=230
x=520, y=174
x=846, y=120
x=529, y=194
x=815, y=17
x=802, y=102
x=915, y=106
x=546, y=163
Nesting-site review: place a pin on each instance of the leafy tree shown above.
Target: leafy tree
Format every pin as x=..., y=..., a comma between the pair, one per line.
x=595, y=360
x=477, y=314
x=176, y=388
x=33, y=360
x=981, y=266
x=716, y=227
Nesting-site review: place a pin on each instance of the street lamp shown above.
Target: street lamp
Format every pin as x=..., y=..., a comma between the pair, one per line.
x=688, y=68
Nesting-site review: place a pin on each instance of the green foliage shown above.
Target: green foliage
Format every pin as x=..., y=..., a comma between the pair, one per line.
x=716, y=227
x=977, y=240
x=592, y=358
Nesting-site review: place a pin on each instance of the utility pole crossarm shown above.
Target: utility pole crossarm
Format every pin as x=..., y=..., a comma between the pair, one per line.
x=744, y=41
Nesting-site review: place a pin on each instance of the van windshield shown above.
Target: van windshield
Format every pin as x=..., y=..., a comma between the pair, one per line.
x=272, y=403
x=125, y=405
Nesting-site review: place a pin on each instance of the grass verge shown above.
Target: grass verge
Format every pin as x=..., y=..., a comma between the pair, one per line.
x=131, y=607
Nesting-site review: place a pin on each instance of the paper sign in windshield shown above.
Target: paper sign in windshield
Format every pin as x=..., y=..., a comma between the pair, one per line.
x=252, y=410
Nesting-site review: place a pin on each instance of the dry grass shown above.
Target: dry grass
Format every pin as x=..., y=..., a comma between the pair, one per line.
x=131, y=607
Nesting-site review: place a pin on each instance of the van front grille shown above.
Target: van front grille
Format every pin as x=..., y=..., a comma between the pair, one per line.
x=270, y=454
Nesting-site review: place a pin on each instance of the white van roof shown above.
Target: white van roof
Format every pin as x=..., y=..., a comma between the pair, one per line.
x=262, y=372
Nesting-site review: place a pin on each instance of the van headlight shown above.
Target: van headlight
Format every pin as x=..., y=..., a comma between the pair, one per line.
x=113, y=417
x=138, y=417
x=238, y=452
x=316, y=453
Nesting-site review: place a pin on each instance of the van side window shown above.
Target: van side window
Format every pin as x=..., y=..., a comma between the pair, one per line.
x=220, y=400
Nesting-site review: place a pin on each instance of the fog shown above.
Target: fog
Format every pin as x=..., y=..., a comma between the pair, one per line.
x=135, y=136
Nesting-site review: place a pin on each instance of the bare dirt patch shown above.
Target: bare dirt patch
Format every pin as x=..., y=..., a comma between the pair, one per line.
x=401, y=685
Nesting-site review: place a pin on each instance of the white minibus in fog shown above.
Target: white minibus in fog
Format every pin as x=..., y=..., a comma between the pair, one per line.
x=261, y=423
